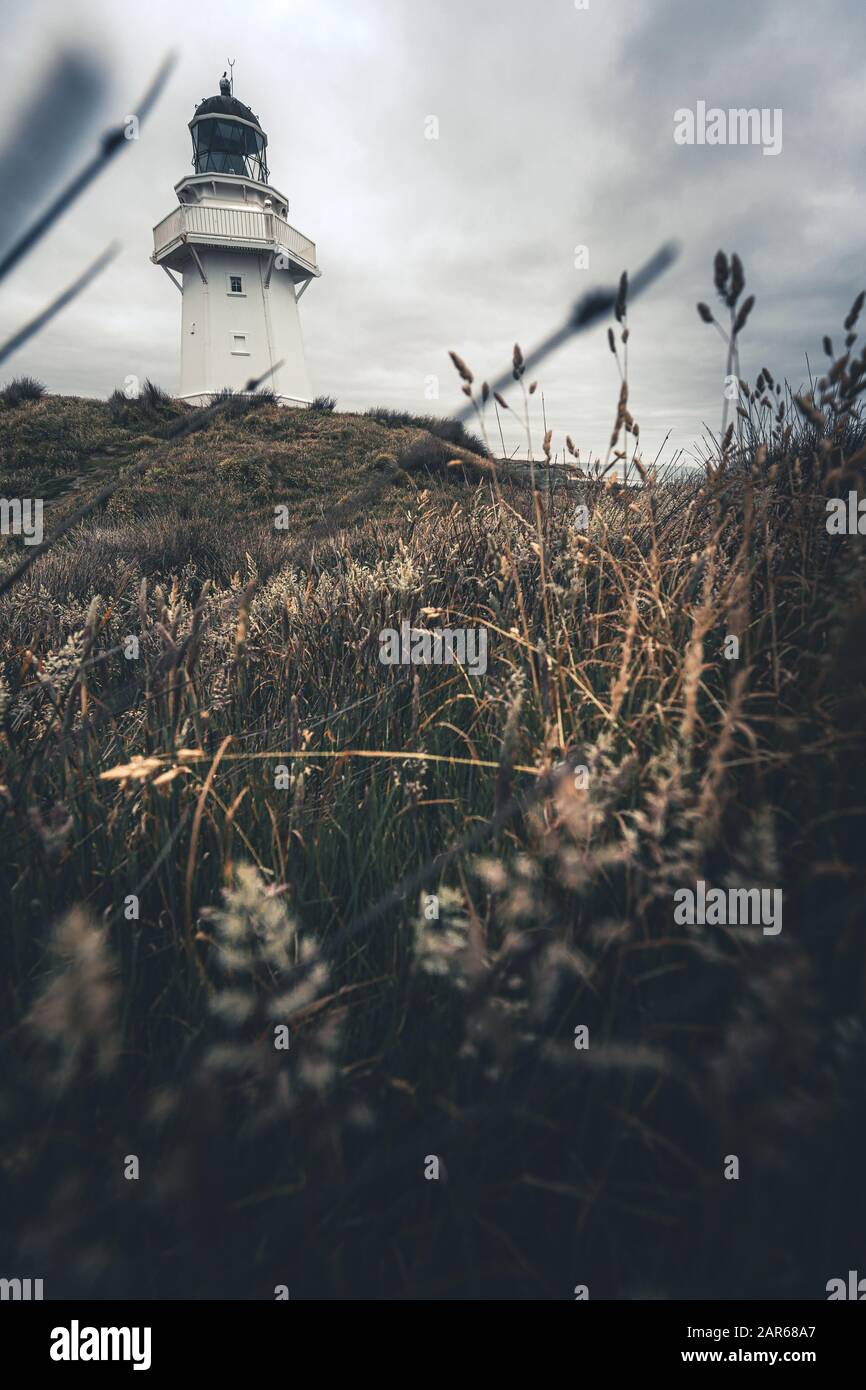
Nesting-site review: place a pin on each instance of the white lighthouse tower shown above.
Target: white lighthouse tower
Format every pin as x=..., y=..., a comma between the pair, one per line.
x=242, y=267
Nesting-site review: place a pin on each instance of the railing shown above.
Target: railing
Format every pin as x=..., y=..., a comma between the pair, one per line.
x=249, y=225
x=294, y=241
x=168, y=230
x=233, y=224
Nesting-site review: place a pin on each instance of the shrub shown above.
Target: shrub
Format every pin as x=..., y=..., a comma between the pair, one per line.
x=152, y=406
x=239, y=403
x=432, y=456
x=452, y=431
x=324, y=403
x=154, y=397
x=21, y=390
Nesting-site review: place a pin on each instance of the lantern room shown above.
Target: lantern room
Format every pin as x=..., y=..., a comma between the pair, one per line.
x=227, y=138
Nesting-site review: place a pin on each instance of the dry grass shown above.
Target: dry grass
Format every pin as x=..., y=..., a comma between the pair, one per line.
x=154, y=1036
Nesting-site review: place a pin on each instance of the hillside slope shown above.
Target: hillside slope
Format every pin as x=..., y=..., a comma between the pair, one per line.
x=61, y=445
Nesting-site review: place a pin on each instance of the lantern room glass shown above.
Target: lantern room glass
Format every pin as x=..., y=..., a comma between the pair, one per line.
x=224, y=146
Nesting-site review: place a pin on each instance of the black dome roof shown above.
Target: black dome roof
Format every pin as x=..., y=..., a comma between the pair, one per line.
x=226, y=106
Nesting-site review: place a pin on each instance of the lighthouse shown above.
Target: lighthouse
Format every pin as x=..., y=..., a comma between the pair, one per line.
x=241, y=268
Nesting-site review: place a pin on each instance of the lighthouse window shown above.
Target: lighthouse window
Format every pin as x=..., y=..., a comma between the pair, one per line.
x=229, y=147
x=239, y=344
x=236, y=284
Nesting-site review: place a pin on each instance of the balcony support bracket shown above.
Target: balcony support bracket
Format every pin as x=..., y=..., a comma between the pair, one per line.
x=195, y=257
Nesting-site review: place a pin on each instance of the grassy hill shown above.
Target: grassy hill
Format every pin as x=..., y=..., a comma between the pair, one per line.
x=510, y=1070
x=211, y=493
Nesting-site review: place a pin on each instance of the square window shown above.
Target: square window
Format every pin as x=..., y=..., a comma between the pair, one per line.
x=236, y=284
x=239, y=344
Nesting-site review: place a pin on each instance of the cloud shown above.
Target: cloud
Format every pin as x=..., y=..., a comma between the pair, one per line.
x=555, y=130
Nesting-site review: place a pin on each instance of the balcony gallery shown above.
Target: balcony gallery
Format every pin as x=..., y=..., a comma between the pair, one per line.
x=258, y=228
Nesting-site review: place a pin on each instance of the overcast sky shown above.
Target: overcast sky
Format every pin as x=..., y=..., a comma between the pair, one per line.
x=556, y=130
